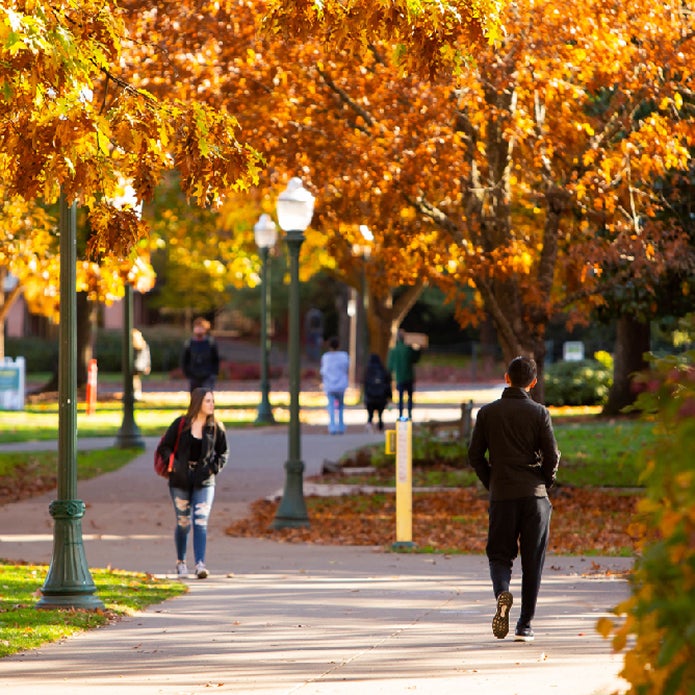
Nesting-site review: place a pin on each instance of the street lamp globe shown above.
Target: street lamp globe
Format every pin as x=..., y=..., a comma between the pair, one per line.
x=265, y=232
x=295, y=206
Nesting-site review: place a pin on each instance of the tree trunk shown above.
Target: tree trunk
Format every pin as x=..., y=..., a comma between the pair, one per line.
x=384, y=316
x=85, y=352
x=631, y=343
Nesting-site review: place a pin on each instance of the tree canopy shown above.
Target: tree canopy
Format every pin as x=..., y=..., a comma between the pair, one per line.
x=73, y=119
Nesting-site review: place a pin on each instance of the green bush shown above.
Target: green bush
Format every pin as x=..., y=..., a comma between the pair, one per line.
x=657, y=622
x=584, y=382
x=165, y=349
x=41, y=354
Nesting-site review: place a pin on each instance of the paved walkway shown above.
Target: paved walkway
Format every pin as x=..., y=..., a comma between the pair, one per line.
x=276, y=618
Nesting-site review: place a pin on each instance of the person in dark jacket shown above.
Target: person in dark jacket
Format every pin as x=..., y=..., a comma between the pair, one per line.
x=377, y=390
x=522, y=459
x=401, y=363
x=199, y=441
x=200, y=359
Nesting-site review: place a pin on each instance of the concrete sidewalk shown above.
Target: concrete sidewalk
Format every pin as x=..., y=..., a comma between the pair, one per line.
x=293, y=618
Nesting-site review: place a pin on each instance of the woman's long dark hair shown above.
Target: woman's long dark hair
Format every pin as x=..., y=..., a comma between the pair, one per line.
x=197, y=397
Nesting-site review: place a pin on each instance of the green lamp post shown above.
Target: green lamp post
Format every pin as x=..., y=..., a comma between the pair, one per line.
x=68, y=583
x=295, y=207
x=129, y=435
x=265, y=234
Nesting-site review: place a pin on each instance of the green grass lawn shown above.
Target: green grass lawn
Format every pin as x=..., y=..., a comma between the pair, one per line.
x=23, y=626
x=594, y=453
x=37, y=423
x=25, y=473
x=602, y=453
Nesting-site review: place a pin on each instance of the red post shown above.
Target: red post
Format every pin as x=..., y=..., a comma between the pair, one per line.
x=91, y=386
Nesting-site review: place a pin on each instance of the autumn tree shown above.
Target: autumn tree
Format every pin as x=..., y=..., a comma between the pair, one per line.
x=538, y=164
x=497, y=179
x=29, y=255
x=26, y=243
x=640, y=290
x=73, y=121
x=296, y=128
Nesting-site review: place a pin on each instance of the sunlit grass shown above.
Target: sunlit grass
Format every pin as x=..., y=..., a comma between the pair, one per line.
x=36, y=466
x=24, y=627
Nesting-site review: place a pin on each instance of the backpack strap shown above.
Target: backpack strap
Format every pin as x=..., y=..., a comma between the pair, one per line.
x=178, y=434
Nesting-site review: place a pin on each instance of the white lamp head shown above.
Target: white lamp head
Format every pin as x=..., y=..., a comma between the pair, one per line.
x=265, y=232
x=295, y=206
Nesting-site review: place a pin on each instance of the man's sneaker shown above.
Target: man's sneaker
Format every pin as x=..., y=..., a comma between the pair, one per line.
x=181, y=569
x=500, y=623
x=200, y=571
x=523, y=634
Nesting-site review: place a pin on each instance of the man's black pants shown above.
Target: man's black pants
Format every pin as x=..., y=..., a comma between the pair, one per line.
x=519, y=525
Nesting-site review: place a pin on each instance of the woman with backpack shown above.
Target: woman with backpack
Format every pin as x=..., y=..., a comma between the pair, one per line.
x=199, y=444
x=377, y=390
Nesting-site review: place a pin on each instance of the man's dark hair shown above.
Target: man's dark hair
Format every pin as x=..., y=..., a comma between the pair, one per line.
x=522, y=371
x=333, y=343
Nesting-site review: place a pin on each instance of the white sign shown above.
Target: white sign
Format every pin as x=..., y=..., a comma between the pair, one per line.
x=573, y=351
x=12, y=384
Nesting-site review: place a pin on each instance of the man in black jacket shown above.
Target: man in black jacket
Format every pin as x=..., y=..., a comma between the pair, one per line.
x=522, y=459
x=200, y=360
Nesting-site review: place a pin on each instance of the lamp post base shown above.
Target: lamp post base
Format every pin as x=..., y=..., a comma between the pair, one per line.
x=264, y=416
x=129, y=439
x=69, y=583
x=292, y=510
x=129, y=435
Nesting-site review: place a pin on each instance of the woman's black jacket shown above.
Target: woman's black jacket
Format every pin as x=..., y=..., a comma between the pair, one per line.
x=212, y=459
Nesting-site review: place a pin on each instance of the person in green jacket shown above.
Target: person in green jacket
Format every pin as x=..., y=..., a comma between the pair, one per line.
x=401, y=361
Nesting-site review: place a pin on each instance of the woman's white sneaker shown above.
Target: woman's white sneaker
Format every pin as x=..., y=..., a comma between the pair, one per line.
x=200, y=571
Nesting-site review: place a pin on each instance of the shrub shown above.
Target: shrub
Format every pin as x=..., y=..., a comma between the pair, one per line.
x=41, y=354
x=658, y=620
x=165, y=350
x=584, y=382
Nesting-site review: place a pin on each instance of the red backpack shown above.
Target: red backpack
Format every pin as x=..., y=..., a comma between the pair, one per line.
x=161, y=466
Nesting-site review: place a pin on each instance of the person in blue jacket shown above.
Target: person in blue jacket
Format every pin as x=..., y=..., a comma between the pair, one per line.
x=335, y=366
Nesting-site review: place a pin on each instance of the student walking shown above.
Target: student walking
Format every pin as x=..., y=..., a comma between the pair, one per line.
x=377, y=390
x=142, y=363
x=200, y=359
x=514, y=454
x=199, y=443
x=334, y=373
x=401, y=363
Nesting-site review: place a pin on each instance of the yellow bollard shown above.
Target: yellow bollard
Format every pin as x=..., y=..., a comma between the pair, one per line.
x=404, y=485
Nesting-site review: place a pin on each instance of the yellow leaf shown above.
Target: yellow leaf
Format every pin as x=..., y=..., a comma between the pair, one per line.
x=604, y=626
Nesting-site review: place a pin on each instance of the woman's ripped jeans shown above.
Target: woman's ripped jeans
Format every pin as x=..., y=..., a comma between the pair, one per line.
x=192, y=505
